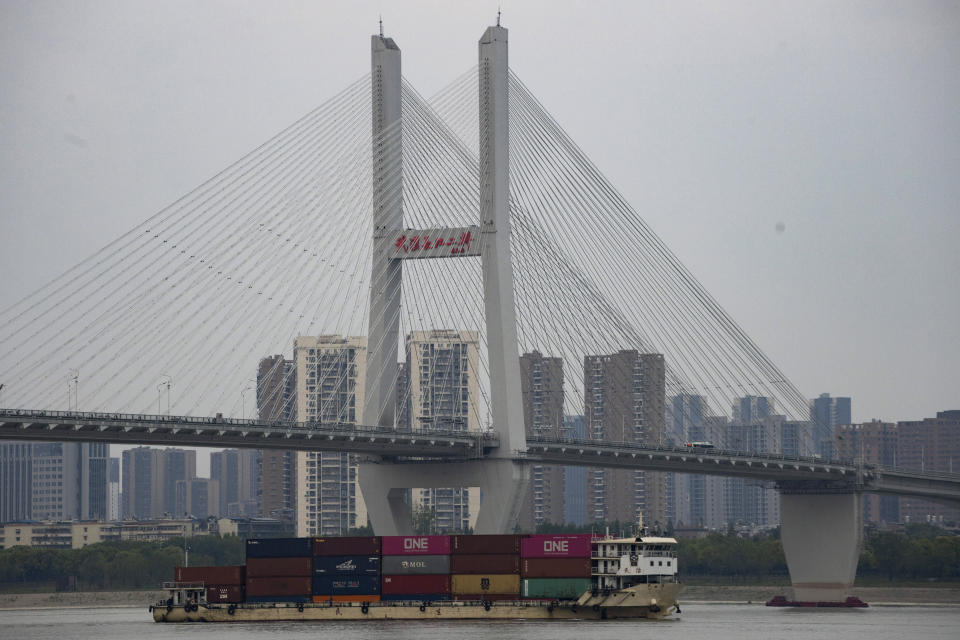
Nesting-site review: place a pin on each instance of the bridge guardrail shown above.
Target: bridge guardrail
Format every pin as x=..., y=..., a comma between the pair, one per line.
x=688, y=451
x=219, y=421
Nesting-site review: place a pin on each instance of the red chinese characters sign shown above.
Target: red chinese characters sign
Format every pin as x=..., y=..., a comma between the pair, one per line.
x=437, y=243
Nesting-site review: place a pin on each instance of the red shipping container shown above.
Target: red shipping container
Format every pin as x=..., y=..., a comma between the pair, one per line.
x=225, y=593
x=279, y=567
x=347, y=546
x=416, y=545
x=279, y=586
x=415, y=584
x=488, y=597
x=488, y=563
x=210, y=575
x=561, y=545
x=492, y=544
x=555, y=567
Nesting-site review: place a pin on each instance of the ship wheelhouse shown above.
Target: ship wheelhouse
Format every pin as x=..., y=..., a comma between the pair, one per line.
x=619, y=563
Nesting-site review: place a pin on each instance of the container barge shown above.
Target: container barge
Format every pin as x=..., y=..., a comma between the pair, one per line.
x=551, y=576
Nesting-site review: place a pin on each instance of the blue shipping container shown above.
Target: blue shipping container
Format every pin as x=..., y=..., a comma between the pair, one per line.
x=279, y=547
x=346, y=565
x=355, y=585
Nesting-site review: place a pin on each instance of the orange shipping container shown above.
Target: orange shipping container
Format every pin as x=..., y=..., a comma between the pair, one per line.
x=497, y=583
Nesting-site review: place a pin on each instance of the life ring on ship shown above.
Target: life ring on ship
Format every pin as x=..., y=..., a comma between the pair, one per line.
x=300, y=607
x=423, y=607
x=364, y=608
x=486, y=605
x=596, y=607
x=232, y=609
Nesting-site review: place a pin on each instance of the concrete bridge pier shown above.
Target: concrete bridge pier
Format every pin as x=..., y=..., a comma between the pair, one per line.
x=502, y=484
x=821, y=535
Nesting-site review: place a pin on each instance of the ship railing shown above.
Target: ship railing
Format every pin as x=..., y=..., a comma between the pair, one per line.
x=184, y=585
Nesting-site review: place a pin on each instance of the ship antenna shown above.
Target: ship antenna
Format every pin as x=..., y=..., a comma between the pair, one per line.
x=381, y=25
x=498, y=16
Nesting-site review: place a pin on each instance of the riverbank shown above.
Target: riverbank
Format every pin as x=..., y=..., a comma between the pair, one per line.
x=740, y=594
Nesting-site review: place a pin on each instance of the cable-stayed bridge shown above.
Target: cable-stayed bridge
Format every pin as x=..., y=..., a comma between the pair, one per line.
x=474, y=214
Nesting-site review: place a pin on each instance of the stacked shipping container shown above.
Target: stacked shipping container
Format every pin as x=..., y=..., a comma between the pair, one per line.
x=279, y=570
x=485, y=567
x=224, y=584
x=416, y=568
x=346, y=569
x=555, y=566
x=424, y=568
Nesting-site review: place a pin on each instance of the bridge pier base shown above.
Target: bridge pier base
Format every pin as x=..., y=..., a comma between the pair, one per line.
x=821, y=536
x=502, y=484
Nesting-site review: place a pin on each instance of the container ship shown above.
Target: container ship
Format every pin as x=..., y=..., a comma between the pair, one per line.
x=550, y=576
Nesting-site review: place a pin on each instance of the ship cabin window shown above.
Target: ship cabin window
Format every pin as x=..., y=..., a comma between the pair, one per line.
x=661, y=563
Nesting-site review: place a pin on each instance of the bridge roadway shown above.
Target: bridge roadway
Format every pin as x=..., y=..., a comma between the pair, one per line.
x=792, y=474
x=158, y=430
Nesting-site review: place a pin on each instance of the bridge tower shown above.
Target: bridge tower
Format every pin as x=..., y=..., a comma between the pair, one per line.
x=502, y=481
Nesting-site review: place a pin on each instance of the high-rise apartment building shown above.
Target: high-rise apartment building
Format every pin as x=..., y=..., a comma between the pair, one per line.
x=236, y=472
x=931, y=444
x=150, y=479
x=198, y=498
x=698, y=498
x=624, y=398
x=179, y=465
x=113, y=510
x=874, y=443
x=277, y=469
x=330, y=374
x=53, y=481
x=541, y=390
x=825, y=414
x=444, y=393
x=753, y=429
x=575, y=478
x=16, y=480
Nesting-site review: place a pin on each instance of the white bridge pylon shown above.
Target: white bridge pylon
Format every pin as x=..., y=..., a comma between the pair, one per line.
x=502, y=480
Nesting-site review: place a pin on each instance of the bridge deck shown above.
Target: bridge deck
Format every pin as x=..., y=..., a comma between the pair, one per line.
x=794, y=474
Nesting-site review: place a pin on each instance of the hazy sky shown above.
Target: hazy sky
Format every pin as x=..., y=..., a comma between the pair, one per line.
x=802, y=158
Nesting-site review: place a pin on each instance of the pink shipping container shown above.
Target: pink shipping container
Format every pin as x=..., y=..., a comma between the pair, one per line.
x=560, y=545
x=416, y=545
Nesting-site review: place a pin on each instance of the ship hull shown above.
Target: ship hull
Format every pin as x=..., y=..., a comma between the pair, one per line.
x=644, y=601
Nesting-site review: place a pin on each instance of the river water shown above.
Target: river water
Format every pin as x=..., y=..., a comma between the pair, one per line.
x=708, y=621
